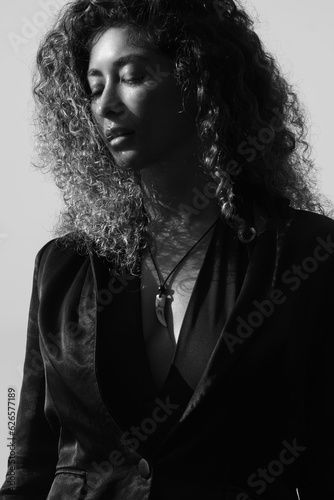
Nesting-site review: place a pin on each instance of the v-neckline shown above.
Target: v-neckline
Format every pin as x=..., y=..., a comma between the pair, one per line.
x=213, y=240
x=125, y=375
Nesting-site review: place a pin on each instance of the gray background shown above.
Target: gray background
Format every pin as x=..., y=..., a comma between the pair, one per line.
x=299, y=33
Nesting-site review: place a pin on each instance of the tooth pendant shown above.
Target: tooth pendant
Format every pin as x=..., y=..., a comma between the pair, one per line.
x=160, y=302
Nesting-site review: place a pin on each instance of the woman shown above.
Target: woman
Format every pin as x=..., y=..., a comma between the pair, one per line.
x=179, y=335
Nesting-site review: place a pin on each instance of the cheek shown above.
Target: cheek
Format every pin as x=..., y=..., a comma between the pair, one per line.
x=156, y=103
x=136, y=99
x=95, y=115
x=98, y=122
x=173, y=112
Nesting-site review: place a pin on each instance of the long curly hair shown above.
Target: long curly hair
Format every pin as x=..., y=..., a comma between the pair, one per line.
x=250, y=123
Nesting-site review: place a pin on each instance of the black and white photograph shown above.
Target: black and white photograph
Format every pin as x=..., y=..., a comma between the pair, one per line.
x=167, y=250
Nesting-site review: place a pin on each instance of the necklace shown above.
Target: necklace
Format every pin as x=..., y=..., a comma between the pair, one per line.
x=160, y=299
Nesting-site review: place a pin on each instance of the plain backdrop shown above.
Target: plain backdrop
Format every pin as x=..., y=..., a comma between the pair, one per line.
x=300, y=34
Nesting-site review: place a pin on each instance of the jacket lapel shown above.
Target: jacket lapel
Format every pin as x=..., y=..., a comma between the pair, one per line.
x=237, y=335
x=240, y=330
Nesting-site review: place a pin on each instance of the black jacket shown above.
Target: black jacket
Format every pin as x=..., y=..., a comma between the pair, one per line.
x=260, y=422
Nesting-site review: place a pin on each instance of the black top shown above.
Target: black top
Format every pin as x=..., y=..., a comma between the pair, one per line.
x=126, y=380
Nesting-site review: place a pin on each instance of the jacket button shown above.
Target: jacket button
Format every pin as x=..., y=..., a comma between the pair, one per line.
x=144, y=469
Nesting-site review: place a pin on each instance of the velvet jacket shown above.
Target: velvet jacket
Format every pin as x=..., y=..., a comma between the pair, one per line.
x=260, y=422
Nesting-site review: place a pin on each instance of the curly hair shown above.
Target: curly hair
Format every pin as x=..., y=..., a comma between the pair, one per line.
x=250, y=123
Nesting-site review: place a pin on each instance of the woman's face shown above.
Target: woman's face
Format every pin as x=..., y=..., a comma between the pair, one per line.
x=137, y=103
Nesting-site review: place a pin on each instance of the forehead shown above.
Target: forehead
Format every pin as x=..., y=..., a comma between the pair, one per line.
x=116, y=47
x=116, y=42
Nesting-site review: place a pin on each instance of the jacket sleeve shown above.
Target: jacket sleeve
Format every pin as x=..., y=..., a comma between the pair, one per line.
x=32, y=463
x=317, y=481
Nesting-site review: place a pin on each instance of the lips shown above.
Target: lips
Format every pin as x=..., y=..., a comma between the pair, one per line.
x=115, y=132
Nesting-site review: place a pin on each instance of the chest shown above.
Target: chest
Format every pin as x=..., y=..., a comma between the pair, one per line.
x=160, y=340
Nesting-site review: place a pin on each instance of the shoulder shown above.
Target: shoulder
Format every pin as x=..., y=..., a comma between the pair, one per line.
x=303, y=219
x=308, y=243
x=61, y=248
x=60, y=256
x=307, y=227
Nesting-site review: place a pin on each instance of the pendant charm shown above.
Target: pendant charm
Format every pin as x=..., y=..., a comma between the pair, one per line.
x=160, y=301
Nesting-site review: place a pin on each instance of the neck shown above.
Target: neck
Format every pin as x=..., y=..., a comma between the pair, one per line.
x=178, y=199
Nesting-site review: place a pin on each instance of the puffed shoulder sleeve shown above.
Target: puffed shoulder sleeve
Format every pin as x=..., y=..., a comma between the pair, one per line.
x=31, y=466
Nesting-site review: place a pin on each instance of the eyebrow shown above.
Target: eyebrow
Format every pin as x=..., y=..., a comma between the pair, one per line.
x=122, y=61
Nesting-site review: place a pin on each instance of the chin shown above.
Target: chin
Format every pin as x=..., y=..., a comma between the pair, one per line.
x=128, y=160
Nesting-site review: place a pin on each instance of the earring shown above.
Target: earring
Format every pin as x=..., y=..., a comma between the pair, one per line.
x=247, y=234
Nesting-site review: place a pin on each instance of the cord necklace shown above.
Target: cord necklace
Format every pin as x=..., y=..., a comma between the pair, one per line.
x=160, y=299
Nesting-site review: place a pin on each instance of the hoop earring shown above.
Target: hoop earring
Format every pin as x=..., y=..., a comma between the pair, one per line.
x=247, y=234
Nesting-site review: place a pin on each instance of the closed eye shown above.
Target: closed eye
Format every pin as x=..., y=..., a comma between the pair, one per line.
x=137, y=80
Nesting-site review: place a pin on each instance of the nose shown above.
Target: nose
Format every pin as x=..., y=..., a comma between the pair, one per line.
x=110, y=103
